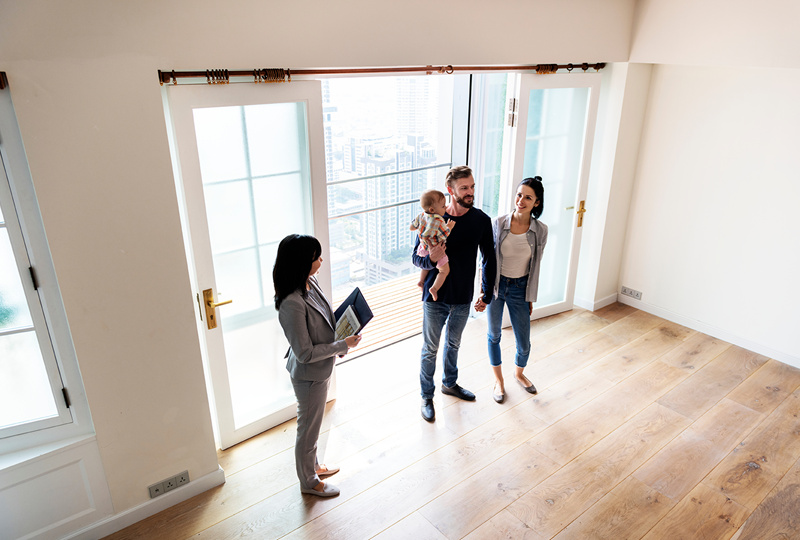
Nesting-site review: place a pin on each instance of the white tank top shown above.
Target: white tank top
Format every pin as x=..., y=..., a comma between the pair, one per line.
x=516, y=254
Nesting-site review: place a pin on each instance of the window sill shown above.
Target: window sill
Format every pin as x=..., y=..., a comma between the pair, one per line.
x=31, y=455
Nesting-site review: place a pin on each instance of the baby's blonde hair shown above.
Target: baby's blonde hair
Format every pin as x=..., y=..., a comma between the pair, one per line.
x=430, y=197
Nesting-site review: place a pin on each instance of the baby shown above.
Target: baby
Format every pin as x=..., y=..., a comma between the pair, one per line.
x=432, y=231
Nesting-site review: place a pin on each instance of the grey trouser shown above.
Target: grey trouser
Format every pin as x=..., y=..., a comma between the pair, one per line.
x=311, y=396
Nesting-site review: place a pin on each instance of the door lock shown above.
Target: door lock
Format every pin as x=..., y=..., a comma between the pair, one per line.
x=208, y=300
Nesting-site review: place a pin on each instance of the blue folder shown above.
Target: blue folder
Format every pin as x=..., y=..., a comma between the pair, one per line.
x=360, y=307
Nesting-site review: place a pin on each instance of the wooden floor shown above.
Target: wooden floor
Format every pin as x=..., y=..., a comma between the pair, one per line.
x=642, y=429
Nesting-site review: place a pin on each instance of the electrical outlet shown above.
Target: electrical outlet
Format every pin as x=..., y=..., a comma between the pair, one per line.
x=182, y=478
x=156, y=489
x=630, y=292
x=170, y=484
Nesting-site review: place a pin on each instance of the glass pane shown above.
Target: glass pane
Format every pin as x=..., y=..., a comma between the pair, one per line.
x=25, y=393
x=494, y=114
x=553, y=150
x=238, y=278
x=374, y=126
x=256, y=155
x=220, y=143
x=388, y=123
x=14, y=311
x=230, y=215
x=374, y=192
x=272, y=151
x=268, y=255
x=275, y=221
x=258, y=380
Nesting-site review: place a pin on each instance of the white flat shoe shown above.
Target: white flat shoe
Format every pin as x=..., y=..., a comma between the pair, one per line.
x=328, y=490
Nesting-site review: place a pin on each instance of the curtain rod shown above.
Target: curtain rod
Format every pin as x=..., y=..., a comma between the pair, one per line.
x=271, y=75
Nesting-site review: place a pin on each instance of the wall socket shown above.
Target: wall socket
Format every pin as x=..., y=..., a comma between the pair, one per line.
x=159, y=488
x=630, y=292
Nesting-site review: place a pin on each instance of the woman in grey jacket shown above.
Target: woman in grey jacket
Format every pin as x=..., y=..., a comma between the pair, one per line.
x=519, y=239
x=306, y=317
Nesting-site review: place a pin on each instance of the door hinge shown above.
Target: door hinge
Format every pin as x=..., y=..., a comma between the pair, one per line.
x=581, y=211
x=66, y=398
x=33, y=278
x=512, y=112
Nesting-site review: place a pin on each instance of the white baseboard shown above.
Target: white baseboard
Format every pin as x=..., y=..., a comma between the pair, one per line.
x=117, y=522
x=710, y=330
x=594, y=306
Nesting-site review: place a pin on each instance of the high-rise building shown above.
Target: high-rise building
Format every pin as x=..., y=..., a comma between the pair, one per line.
x=375, y=143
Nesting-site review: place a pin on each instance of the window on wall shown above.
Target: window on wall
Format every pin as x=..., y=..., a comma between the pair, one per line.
x=30, y=382
x=37, y=360
x=387, y=139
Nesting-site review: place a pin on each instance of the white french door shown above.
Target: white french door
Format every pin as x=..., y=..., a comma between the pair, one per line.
x=553, y=139
x=251, y=162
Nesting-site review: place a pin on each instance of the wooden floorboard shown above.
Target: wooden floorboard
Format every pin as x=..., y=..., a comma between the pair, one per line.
x=641, y=428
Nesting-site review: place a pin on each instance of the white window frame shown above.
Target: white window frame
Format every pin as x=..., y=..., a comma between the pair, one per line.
x=25, y=224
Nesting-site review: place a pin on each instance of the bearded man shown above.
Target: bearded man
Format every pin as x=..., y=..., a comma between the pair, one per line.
x=473, y=233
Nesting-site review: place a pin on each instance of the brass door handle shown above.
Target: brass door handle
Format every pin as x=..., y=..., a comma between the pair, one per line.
x=208, y=299
x=580, y=212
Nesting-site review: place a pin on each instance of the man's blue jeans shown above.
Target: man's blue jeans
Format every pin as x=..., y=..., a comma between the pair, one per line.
x=435, y=315
x=511, y=292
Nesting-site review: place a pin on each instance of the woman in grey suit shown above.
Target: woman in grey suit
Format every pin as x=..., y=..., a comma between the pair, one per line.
x=306, y=317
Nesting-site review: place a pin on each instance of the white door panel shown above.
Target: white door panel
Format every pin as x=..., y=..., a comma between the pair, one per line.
x=252, y=166
x=553, y=139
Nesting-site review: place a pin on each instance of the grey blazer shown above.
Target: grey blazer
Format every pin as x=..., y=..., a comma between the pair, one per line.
x=312, y=351
x=537, y=238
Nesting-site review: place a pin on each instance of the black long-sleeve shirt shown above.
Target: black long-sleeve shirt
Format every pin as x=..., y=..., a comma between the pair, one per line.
x=473, y=231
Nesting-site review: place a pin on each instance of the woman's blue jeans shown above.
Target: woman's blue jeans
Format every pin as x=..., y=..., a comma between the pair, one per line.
x=511, y=292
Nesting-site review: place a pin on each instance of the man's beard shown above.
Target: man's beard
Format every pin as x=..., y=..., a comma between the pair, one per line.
x=464, y=203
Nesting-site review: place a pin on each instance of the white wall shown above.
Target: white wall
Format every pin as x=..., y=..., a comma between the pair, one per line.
x=623, y=101
x=712, y=234
x=83, y=80
x=717, y=33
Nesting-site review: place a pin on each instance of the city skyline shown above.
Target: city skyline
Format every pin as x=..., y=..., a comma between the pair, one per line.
x=375, y=126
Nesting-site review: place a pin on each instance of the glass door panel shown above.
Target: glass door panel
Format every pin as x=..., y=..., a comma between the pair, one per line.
x=268, y=149
x=553, y=147
x=490, y=138
x=555, y=131
x=249, y=172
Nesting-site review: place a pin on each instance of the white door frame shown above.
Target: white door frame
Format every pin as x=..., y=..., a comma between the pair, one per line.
x=179, y=103
x=529, y=82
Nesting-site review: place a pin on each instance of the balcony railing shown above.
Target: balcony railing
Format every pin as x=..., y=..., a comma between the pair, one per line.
x=397, y=309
